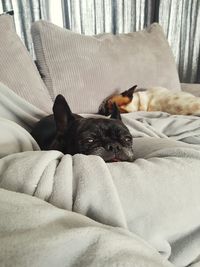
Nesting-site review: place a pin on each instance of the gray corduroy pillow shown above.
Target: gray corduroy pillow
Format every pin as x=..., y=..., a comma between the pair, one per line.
x=86, y=69
x=17, y=69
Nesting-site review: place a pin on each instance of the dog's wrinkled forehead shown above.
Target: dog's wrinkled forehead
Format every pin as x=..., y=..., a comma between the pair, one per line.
x=102, y=126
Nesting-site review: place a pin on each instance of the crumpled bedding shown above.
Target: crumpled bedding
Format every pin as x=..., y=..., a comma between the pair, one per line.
x=147, y=207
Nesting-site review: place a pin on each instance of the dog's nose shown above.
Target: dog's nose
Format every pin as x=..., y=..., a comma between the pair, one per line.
x=113, y=148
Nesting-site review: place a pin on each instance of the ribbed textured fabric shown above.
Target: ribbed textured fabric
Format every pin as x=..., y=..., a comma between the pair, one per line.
x=86, y=69
x=17, y=70
x=180, y=21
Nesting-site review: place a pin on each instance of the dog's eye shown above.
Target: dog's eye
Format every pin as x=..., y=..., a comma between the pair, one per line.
x=89, y=140
x=128, y=139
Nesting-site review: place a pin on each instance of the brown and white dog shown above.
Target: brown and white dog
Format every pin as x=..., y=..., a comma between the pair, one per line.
x=152, y=99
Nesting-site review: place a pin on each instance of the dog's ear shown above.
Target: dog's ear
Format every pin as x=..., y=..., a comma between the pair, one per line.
x=129, y=92
x=115, y=112
x=103, y=108
x=62, y=114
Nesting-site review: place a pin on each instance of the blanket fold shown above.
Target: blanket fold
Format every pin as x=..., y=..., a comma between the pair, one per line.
x=155, y=198
x=34, y=233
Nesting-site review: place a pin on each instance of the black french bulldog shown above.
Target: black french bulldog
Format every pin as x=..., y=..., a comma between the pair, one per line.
x=72, y=134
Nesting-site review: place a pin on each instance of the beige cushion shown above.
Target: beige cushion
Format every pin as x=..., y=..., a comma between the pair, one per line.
x=86, y=69
x=17, y=70
x=192, y=88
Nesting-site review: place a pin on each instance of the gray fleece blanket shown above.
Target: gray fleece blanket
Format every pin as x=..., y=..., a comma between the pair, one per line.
x=144, y=213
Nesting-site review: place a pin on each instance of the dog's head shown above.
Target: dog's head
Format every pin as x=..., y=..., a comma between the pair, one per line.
x=107, y=138
x=121, y=100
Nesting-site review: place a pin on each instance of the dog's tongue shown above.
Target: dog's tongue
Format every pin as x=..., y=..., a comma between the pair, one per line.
x=115, y=160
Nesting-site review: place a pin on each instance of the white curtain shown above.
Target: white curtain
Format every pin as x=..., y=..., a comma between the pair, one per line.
x=180, y=20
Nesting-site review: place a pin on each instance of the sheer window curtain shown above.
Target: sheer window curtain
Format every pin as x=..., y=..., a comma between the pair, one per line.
x=179, y=19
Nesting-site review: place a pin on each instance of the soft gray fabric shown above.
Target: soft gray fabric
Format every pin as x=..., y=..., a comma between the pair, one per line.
x=87, y=69
x=155, y=197
x=34, y=233
x=17, y=69
x=16, y=109
x=15, y=114
x=193, y=88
